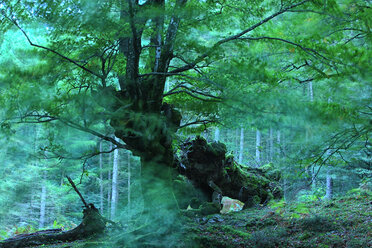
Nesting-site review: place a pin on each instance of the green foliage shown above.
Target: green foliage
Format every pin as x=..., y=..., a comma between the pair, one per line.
x=304, y=75
x=57, y=225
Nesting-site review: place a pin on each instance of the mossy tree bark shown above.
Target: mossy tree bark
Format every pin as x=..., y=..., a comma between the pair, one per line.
x=210, y=170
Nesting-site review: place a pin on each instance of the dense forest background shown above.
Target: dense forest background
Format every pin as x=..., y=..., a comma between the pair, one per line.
x=284, y=84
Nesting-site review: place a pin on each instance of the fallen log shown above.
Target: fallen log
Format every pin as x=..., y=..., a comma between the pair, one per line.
x=208, y=169
x=92, y=224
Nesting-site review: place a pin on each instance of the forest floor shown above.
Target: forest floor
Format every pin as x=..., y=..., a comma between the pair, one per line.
x=342, y=222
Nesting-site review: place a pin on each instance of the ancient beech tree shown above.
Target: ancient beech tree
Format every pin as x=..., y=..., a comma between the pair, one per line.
x=109, y=61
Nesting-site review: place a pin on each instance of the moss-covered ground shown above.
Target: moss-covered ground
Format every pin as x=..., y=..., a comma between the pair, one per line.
x=342, y=222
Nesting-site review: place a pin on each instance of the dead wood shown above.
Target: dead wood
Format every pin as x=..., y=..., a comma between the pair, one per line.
x=92, y=224
x=216, y=174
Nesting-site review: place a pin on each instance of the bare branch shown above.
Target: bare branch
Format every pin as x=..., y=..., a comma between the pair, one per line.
x=346, y=138
x=166, y=74
x=171, y=92
x=301, y=81
x=95, y=133
x=309, y=51
x=77, y=191
x=295, y=67
x=85, y=157
x=40, y=118
x=192, y=95
x=204, y=122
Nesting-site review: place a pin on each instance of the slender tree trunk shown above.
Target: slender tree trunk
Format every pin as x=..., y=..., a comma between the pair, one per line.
x=36, y=162
x=42, y=202
x=313, y=173
x=115, y=170
x=109, y=185
x=62, y=178
x=313, y=179
x=329, y=180
x=329, y=190
x=129, y=193
x=271, y=145
x=310, y=171
x=109, y=194
x=278, y=144
x=101, y=177
x=311, y=92
x=241, y=150
x=217, y=134
x=284, y=187
x=258, y=147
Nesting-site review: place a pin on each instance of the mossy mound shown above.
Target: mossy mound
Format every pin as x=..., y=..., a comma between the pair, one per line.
x=209, y=169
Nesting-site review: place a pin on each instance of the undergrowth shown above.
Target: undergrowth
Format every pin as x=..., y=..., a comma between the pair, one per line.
x=342, y=222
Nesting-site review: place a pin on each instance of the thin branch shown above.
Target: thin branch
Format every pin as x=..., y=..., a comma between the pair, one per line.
x=176, y=87
x=163, y=74
x=204, y=122
x=51, y=50
x=70, y=124
x=309, y=51
x=77, y=191
x=304, y=80
x=190, y=94
x=85, y=129
x=171, y=92
x=294, y=67
x=234, y=37
x=346, y=143
x=345, y=29
x=354, y=37
x=85, y=157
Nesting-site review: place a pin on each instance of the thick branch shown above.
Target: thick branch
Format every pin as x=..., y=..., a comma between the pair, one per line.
x=167, y=51
x=133, y=27
x=156, y=40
